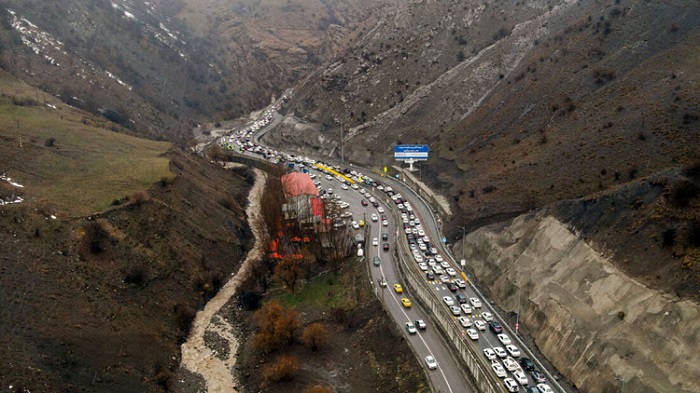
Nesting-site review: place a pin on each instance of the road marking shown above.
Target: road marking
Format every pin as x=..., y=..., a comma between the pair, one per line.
x=403, y=311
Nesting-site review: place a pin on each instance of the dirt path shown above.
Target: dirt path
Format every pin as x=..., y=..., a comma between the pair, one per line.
x=197, y=357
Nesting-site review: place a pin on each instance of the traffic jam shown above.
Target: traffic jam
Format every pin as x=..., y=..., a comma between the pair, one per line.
x=476, y=321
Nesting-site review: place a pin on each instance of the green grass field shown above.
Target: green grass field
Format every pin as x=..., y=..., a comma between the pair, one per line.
x=85, y=168
x=319, y=292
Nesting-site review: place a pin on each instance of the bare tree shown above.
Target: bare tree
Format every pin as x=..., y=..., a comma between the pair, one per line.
x=314, y=336
x=289, y=271
x=276, y=327
x=282, y=369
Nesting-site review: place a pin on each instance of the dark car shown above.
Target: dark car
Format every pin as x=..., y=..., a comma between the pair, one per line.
x=364, y=202
x=461, y=298
x=452, y=287
x=495, y=327
x=531, y=389
x=538, y=376
x=385, y=236
x=376, y=261
x=430, y=275
x=527, y=364
x=385, y=246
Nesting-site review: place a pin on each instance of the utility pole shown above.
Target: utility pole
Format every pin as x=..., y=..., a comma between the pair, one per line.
x=517, y=316
x=464, y=234
x=342, y=143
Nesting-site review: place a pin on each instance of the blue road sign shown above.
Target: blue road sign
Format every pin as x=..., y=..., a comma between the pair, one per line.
x=411, y=152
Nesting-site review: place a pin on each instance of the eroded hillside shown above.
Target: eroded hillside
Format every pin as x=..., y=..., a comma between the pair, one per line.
x=159, y=68
x=521, y=104
x=116, y=243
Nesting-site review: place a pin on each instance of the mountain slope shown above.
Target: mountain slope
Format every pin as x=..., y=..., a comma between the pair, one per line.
x=521, y=104
x=101, y=301
x=159, y=68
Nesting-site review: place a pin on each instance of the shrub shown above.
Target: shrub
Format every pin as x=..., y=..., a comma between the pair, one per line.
x=317, y=389
x=683, y=193
x=51, y=142
x=489, y=189
x=314, y=336
x=668, y=238
x=692, y=236
x=139, y=198
x=282, y=369
x=603, y=75
x=96, y=237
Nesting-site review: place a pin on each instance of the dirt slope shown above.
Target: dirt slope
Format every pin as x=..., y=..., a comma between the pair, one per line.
x=101, y=303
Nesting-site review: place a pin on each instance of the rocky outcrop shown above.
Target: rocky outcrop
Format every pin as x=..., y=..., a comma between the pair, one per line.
x=589, y=319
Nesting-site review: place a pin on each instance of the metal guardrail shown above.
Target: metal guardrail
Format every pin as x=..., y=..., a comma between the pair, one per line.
x=479, y=370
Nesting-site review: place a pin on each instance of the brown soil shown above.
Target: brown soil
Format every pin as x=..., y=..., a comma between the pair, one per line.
x=101, y=303
x=370, y=355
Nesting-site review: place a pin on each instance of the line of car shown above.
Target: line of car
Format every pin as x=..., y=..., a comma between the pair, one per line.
x=433, y=264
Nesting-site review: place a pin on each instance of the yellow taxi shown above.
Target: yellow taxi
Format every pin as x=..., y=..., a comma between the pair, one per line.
x=397, y=288
x=406, y=303
x=361, y=223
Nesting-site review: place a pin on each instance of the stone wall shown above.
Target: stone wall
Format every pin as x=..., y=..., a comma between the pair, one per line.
x=591, y=321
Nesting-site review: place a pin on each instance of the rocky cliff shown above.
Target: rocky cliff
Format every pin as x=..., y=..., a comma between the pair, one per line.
x=589, y=319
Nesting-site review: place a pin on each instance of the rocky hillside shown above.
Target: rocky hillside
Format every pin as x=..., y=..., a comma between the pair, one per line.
x=522, y=104
x=592, y=321
x=158, y=68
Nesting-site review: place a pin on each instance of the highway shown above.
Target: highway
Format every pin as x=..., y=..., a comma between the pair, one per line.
x=450, y=375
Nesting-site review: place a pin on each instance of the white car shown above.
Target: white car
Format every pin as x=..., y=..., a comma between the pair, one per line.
x=355, y=225
x=473, y=334
x=448, y=300
x=498, y=369
x=422, y=266
x=439, y=258
x=375, y=218
x=461, y=283
x=464, y=321
x=380, y=209
x=479, y=324
x=511, y=364
x=375, y=242
x=544, y=388
x=476, y=303
x=421, y=232
x=466, y=309
x=411, y=328
x=451, y=271
x=489, y=353
x=521, y=377
x=511, y=385
x=430, y=362
x=513, y=350
x=500, y=352
x=504, y=339
x=385, y=223
x=354, y=186
x=455, y=310
x=438, y=270
x=444, y=279
x=487, y=316
x=344, y=187
x=444, y=264
x=418, y=258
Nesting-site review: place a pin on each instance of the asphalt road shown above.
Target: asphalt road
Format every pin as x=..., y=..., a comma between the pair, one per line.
x=448, y=377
